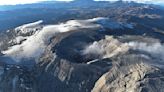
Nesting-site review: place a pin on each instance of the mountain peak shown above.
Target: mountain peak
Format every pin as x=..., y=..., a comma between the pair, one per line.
x=84, y=0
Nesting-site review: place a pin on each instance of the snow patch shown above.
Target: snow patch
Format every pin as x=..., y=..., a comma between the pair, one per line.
x=18, y=39
x=93, y=61
x=30, y=25
x=29, y=28
x=35, y=44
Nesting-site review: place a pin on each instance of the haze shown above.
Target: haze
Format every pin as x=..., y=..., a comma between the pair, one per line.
x=14, y=2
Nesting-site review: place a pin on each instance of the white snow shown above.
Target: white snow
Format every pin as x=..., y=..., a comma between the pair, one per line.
x=28, y=28
x=93, y=61
x=35, y=45
x=19, y=39
x=30, y=25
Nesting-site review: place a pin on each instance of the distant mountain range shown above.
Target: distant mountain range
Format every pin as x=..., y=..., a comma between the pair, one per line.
x=54, y=4
x=94, y=47
x=14, y=15
x=82, y=47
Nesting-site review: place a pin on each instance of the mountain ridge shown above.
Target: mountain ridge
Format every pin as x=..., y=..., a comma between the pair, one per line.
x=85, y=49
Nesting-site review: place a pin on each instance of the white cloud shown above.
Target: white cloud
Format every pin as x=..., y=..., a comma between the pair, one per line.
x=106, y=48
x=35, y=45
x=95, y=48
x=155, y=49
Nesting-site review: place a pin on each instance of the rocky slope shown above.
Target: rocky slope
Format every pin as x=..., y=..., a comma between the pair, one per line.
x=119, y=53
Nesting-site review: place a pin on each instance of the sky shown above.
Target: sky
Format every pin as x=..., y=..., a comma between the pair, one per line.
x=13, y=2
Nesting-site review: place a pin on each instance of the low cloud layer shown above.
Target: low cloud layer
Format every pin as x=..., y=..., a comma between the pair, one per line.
x=106, y=48
x=109, y=47
x=155, y=49
x=35, y=45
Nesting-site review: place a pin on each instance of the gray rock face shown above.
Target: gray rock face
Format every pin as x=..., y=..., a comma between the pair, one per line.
x=130, y=78
x=93, y=55
x=72, y=71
